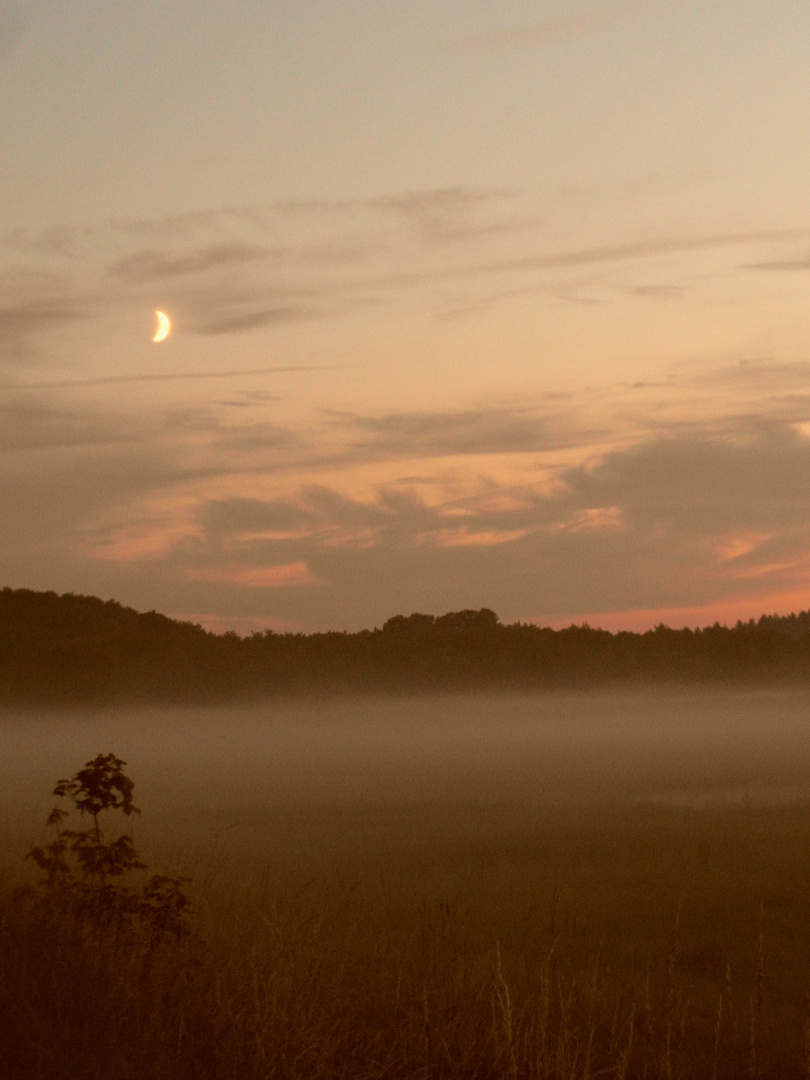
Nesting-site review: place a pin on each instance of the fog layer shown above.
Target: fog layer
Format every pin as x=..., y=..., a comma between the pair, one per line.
x=223, y=768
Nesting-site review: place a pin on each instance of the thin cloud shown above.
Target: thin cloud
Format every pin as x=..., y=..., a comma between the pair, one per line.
x=538, y=35
x=641, y=250
x=779, y=384
x=656, y=292
x=447, y=213
x=473, y=431
x=146, y=266
x=34, y=316
x=451, y=215
x=178, y=444
x=68, y=384
x=781, y=264
x=464, y=537
x=236, y=271
x=35, y=425
x=495, y=430
x=602, y=255
x=263, y=577
x=256, y=320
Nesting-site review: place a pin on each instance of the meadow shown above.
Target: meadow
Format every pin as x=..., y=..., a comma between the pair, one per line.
x=518, y=886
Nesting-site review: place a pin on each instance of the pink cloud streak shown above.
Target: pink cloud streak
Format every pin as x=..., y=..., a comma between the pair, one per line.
x=262, y=577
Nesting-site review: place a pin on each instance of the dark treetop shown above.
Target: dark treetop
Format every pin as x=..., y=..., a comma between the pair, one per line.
x=81, y=650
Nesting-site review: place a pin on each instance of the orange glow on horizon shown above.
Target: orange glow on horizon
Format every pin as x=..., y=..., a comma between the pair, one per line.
x=725, y=612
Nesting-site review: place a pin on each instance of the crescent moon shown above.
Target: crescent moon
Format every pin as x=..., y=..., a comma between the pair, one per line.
x=163, y=327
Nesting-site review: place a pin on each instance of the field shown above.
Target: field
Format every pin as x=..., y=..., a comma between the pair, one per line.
x=612, y=884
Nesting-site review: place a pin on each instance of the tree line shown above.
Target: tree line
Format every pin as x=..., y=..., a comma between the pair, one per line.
x=73, y=649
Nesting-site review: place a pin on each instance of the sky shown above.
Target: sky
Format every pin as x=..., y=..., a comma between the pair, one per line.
x=486, y=304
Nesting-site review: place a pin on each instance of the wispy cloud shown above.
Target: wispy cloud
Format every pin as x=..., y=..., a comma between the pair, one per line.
x=598, y=17
x=642, y=249
x=448, y=252
x=328, y=230
x=465, y=537
x=256, y=577
x=493, y=430
x=781, y=264
x=31, y=317
x=183, y=376
x=449, y=216
x=27, y=423
x=463, y=432
x=238, y=322
x=240, y=270
x=147, y=266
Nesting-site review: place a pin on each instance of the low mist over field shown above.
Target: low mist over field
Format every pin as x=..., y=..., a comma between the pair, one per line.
x=244, y=769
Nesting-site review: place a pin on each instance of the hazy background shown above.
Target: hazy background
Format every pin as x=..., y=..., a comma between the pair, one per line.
x=531, y=278
x=380, y=782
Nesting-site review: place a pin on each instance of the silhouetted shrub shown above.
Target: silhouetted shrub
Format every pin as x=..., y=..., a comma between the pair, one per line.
x=85, y=870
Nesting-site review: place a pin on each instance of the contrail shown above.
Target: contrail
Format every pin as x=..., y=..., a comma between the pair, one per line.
x=65, y=384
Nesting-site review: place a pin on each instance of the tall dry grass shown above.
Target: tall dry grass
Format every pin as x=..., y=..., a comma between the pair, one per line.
x=336, y=980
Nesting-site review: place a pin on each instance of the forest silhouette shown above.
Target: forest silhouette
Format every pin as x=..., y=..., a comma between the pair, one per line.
x=70, y=649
